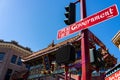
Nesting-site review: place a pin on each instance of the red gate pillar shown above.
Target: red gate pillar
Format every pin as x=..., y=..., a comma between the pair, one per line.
x=66, y=72
x=86, y=71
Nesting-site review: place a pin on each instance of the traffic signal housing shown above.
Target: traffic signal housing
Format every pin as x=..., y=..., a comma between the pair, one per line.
x=96, y=58
x=65, y=55
x=70, y=14
x=46, y=62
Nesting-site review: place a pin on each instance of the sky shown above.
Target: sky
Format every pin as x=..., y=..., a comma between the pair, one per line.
x=34, y=23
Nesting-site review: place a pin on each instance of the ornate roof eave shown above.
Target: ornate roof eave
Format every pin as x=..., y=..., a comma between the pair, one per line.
x=116, y=39
x=15, y=47
x=51, y=49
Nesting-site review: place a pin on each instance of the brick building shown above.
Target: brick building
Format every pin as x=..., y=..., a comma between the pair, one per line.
x=11, y=66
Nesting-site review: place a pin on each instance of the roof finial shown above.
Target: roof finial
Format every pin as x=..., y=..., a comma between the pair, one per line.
x=52, y=43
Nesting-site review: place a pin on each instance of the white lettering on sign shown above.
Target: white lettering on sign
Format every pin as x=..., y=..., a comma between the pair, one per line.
x=103, y=15
x=114, y=76
x=108, y=13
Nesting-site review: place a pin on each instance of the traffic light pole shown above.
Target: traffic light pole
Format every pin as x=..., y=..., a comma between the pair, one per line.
x=86, y=69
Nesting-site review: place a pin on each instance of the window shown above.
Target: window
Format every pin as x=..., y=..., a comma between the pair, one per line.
x=2, y=54
x=19, y=61
x=13, y=59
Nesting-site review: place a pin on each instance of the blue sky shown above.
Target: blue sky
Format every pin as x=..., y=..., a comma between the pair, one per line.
x=34, y=23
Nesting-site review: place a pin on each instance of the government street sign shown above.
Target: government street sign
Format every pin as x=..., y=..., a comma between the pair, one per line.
x=96, y=18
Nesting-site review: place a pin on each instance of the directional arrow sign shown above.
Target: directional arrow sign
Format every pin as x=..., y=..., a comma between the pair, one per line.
x=101, y=16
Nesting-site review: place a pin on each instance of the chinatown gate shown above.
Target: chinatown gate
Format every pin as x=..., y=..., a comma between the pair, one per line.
x=43, y=64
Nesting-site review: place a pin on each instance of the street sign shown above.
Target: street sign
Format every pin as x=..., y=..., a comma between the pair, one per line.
x=96, y=18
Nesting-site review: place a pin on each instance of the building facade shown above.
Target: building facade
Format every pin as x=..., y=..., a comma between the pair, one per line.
x=116, y=40
x=114, y=73
x=11, y=54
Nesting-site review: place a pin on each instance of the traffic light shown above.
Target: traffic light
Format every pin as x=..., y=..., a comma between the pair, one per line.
x=92, y=56
x=96, y=58
x=65, y=54
x=70, y=14
x=46, y=62
x=100, y=60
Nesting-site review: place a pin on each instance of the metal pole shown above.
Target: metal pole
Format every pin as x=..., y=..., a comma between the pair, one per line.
x=66, y=72
x=83, y=9
x=86, y=71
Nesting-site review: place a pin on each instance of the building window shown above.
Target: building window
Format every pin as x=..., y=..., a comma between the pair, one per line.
x=8, y=74
x=2, y=54
x=19, y=61
x=13, y=59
